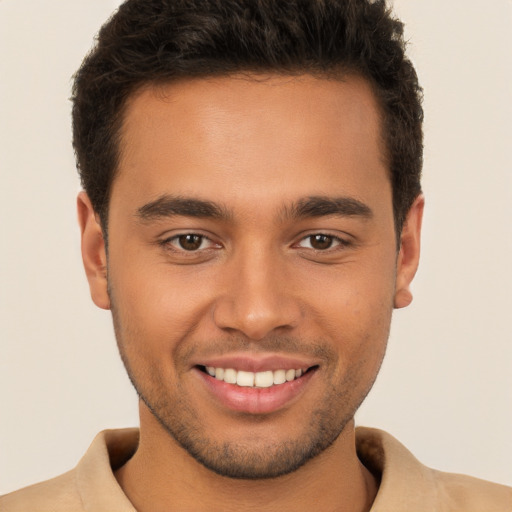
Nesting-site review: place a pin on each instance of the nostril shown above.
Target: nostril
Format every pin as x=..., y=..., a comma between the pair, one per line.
x=256, y=315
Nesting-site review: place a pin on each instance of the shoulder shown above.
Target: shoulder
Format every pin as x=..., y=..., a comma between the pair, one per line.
x=406, y=484
x=59, y=494
x=90, y=486
x=462, y=492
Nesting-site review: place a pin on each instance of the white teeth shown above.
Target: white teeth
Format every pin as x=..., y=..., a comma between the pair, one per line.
x=251, y=379
x=245, y=379
x=279, y=377
x=230, y=376
x=264, y=379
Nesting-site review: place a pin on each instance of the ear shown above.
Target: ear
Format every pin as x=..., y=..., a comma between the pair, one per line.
x=94, y=255
x=409, y=254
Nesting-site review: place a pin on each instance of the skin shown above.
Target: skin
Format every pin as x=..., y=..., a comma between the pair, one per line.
x=258, y=285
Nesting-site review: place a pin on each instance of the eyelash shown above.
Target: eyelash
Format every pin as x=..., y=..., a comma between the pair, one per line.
x=339, y=243
x=336, y=243
x=169, y=242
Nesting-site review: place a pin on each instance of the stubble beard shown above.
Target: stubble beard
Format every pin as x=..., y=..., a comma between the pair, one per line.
x=251, y=459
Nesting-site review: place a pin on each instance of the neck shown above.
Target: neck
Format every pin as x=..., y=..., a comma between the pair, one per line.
x=162, y=473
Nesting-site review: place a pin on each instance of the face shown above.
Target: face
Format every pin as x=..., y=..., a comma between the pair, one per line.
x=252, y=264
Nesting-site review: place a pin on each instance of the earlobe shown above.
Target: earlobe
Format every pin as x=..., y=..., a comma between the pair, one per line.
x=409, y=254
x=94, y=255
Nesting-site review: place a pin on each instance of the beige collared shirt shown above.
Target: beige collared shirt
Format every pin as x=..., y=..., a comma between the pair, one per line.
x=406, y=484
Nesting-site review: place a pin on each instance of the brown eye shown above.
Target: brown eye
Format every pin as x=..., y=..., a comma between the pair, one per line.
x=190, y=242
x=321, y=242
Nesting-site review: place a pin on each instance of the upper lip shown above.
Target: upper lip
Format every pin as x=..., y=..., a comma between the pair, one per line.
x=258, y=363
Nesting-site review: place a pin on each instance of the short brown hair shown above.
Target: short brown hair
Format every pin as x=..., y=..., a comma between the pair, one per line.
x=159, y=41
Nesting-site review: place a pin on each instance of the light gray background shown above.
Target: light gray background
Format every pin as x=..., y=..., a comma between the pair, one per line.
x=446, y=387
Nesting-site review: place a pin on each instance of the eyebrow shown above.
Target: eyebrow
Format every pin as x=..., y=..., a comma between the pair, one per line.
x=323, y=206
x=315, y=206
x=169, y=206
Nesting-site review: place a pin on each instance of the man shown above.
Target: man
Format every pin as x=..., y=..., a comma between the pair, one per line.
x=251, y=216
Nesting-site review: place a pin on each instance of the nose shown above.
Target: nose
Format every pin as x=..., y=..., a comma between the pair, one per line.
x=257, y=298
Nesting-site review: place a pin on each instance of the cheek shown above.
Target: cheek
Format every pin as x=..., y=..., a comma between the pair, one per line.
x=156, y=305
x=353, y=308
x=356, y=292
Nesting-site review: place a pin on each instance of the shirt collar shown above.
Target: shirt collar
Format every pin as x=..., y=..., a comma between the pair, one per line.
x=405, y=484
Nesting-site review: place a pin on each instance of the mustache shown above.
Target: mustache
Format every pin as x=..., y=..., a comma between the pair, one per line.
x=190, y=348
x=290, y=345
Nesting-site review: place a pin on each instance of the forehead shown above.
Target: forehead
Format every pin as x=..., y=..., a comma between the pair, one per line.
x=242, y=137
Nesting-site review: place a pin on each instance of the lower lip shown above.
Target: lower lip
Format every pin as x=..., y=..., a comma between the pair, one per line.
x=255, y=400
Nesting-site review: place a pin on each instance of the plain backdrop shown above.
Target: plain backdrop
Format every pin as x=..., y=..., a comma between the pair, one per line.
x=445, y=389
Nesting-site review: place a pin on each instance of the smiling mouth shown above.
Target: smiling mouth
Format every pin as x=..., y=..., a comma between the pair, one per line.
x=265, y=379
